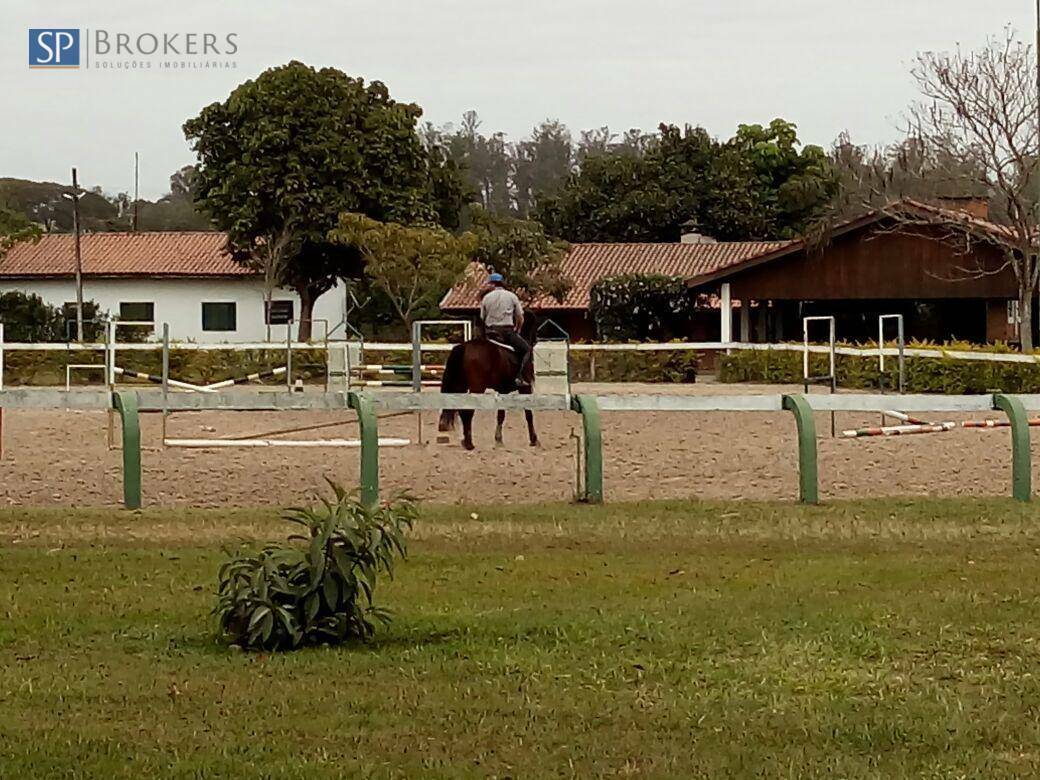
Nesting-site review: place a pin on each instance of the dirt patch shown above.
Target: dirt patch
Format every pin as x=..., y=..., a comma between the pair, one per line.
x=62, y=458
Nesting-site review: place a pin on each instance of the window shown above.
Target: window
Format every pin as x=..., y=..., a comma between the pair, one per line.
x=279, y=312
x=137, y=312
x=218, y=316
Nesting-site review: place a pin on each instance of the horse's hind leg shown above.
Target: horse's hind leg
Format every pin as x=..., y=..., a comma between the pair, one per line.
x=467, y=428
x=530, y=427
x=498, y=428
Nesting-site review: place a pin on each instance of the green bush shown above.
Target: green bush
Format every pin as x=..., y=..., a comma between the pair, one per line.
x=923, y=374
x=640, y=307
x=674, y=366
x=28, y=318
x=317, y=587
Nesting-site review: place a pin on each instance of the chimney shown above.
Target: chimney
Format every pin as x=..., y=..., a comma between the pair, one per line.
x=973, y=205
x=691, y=236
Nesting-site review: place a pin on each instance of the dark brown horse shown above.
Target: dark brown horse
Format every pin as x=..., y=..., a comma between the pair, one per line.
x=480, y=365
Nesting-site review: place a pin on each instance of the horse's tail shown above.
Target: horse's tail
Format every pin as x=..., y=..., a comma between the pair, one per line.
x=453, y=381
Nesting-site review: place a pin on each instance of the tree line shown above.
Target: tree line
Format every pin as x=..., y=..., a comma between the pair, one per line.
x=319, y=177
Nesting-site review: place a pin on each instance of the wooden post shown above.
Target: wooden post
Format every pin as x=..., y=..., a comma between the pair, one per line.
x=745, y=321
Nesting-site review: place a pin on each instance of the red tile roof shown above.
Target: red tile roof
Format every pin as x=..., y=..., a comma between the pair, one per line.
x=185, y=254
x=585, y=264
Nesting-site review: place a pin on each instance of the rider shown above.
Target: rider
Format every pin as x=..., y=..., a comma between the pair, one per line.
x=503, y=316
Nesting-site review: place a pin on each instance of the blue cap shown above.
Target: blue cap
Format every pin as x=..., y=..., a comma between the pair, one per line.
x=496, y=278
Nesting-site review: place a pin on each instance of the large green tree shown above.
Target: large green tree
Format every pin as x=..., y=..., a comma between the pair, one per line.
x=520, y=250
x=412, y=266
x=289, y=151
x=759, y=184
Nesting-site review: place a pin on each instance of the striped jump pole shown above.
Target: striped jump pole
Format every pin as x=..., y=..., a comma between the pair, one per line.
x=905, y=418
x=393, y=383
x=899, y=430
x=159, y=380
x=1033, y=422
x=245, y=380
x=389, y=368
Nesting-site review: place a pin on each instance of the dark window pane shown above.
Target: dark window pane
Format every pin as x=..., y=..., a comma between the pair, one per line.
x=218, y=316
x=137, y=312
x=279, y=312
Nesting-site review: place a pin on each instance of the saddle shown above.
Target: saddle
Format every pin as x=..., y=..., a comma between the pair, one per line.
x=497, y=340
x=501, y=344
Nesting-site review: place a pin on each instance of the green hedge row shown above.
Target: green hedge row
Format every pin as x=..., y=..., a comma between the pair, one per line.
x=187, y=365
x=923, y=374
x=679, y=366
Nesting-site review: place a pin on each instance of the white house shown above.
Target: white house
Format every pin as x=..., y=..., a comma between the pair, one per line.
x=187, y=279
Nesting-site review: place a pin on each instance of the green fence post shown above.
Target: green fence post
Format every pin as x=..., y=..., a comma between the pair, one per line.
x=808, y=470
x=368, y=425
x=593, y=440
x=1021, y=467
x=126, y=404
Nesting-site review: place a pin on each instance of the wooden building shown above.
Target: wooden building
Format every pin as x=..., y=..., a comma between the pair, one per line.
x=948, y=283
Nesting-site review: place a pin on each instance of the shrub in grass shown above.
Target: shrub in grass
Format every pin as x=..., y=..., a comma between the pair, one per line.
x=318, y=587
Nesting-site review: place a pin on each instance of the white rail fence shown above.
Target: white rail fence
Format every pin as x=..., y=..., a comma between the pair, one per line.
x=668, y=346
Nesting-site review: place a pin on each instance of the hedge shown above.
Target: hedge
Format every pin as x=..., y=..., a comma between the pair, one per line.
x=923, y=374
x=677, y=366
x=25, y=367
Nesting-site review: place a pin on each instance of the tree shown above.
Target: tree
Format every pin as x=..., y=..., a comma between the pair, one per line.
x=520, y=250
x=290, y=151
x=977, y=121
x=757, y=185
x=871, y=178
x=413, y=266
x=641, y=307
x=541, y=163
x=15, y=227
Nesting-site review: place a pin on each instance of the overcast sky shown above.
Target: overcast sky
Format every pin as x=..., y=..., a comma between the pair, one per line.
x=827, y=65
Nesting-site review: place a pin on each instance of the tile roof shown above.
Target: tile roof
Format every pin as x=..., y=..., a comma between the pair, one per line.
x=586, y=264
x=180, y=253
x=911, y=212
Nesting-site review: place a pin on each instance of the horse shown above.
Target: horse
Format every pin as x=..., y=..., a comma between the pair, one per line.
x=479, y=365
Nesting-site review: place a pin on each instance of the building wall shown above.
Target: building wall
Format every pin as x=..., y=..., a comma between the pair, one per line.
x=179, y=302
x=881, y=265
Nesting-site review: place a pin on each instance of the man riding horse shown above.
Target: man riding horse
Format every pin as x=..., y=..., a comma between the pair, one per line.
x=503, y=317
x=500, y=360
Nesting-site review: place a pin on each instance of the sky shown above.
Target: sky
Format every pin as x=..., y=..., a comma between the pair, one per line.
x=827, y=65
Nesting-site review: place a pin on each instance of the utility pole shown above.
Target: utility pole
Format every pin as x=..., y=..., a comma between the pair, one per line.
x=79, y=258
x=136, y=171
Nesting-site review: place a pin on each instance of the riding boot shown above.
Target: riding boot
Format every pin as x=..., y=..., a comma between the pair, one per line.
x=521, y=378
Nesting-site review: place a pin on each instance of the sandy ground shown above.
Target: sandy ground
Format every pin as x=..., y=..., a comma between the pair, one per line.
x=62, y=458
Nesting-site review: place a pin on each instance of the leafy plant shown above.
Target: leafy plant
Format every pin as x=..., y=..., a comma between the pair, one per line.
x=641, y=307
x=317, y=588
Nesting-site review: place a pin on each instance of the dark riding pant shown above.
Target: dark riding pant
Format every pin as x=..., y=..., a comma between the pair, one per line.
x=517, y=342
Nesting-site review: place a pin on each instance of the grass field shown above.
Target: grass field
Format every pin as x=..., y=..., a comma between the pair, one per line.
x=885, y=639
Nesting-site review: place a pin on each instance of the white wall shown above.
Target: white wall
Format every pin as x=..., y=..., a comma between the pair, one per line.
x=179, y=302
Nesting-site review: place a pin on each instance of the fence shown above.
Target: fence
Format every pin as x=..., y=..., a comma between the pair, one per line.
x=129, y=404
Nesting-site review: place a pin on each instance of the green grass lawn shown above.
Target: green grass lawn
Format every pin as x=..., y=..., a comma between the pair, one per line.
x=883, y=639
